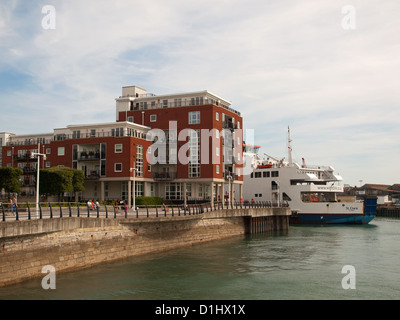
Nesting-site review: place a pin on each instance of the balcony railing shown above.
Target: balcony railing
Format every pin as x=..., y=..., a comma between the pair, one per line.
x=164, y=176
x=89, y=156
x=25, y=157
x=229, y=125
x=93, y=175
x=230, y=176
x=149, y=105
x=62, y=137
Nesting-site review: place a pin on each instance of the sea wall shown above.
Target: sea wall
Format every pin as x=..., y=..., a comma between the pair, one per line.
x=70, y=244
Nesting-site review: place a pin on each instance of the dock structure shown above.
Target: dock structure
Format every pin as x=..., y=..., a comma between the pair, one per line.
x=70, y=243
x=388, y=212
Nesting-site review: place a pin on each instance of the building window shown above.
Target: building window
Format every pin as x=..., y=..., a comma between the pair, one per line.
x=194, y=117
x=118, y=148
x=106, y=189
x=217, y=168
x=153, y=118
x=130, y=119
x=194, y=154
x=61, y=151
x=173, y=191
x=76, y=134
x=9, y=153
x=139, y=161
x=178, y=102
x=48, y=151
x=197, y=101
x=47, y=164
x=152, y=193
x=139, y=186
x=118, y=167
x=217, y=116
x=118, y=132
x=124, y=190
x=200, y=190
x=92, y=133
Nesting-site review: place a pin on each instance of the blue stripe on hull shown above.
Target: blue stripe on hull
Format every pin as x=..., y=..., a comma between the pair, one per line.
x=331, y=219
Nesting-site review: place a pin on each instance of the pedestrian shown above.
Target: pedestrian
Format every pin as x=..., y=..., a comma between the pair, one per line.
x=116, y=206
x=15, y=205
x=11, y=206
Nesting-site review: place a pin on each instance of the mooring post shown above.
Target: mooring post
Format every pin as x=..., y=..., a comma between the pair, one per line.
x=69, y=209
x=29, y=211
x=4, y=212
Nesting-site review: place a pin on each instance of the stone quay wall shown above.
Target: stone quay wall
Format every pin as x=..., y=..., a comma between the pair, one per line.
x=70, y=244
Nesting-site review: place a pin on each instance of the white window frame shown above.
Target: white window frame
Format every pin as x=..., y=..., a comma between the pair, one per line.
x=115, y=167
x=194, y=117
x=117, y=149
x=61, y=151
x=153, y=118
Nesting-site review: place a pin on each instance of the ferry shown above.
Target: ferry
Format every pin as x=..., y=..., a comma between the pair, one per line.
x=312, y=192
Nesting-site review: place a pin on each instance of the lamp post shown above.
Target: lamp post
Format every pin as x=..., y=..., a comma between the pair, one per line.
x=38, y=154
x=229, y=189
x=134, y=190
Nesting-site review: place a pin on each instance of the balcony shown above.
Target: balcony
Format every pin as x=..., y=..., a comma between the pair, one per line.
x=28, y=170
x=228, y=174
x=89, y=156
x=25, y=157
x=229, y=125
x=150, y=104
x=93, y=175
x=164, y=176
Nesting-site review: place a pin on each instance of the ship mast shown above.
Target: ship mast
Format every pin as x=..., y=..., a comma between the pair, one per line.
x=289, y=149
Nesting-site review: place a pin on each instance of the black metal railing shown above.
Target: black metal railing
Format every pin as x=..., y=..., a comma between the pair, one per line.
x=53, y=210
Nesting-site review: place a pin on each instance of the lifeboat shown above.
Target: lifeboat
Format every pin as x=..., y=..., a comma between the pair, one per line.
x=264, y=166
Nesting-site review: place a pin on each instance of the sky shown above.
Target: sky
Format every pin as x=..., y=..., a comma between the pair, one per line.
x=329, y=70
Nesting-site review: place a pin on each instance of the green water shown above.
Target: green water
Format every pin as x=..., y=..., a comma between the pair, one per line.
x=303, y=263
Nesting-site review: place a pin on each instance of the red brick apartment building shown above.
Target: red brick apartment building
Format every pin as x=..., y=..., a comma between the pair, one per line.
x=120, y=156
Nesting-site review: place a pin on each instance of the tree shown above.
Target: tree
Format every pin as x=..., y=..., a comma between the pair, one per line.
x=10, y=179
x=59, y=180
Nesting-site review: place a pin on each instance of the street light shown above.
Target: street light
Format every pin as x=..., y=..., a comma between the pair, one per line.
x=33, y=154
x=229, y=177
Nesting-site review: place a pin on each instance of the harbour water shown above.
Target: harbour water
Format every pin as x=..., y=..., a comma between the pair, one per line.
x=303, y=263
